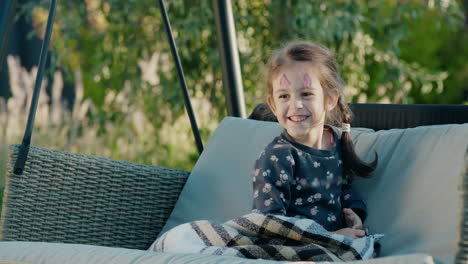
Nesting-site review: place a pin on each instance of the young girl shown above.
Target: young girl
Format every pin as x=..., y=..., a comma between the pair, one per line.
x=306, y=171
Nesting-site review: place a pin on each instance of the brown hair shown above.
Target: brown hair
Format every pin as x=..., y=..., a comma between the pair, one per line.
x=326, y=67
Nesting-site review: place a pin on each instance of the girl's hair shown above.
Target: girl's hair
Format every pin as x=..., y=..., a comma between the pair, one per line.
x=326, y=69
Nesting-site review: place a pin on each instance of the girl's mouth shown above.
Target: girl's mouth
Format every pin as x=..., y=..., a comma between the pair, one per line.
x=298, y=118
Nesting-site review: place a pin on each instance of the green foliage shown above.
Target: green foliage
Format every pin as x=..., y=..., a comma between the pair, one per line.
x=389, y=51
x=106, y=39
x=366, y=35
x=438, y=47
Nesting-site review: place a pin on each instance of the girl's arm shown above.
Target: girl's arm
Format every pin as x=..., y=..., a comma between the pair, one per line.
x=273, y=174
x=351, y=199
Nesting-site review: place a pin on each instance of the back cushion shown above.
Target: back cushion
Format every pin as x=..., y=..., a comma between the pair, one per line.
x=414, y=198
x=220, y=185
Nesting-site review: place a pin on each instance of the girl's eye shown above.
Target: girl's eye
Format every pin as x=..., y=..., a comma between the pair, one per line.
x=283, y=96
x=306, y=94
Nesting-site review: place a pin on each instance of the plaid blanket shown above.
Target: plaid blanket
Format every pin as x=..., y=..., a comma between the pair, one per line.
x=267, y=237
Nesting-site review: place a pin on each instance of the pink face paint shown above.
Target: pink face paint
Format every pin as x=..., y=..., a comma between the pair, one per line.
x=307, y=82
x=284, y=82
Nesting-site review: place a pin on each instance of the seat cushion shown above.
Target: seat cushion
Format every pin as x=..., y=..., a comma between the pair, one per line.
x=54, y=253
x=58, y=253
x=414, y=199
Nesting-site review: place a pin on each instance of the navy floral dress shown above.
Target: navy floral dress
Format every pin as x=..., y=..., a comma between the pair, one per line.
x=292, y=179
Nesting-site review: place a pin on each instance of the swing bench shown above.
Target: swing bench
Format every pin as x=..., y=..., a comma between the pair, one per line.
x=62, y=207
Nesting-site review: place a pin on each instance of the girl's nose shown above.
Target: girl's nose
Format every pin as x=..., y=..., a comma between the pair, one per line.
x=298, y=104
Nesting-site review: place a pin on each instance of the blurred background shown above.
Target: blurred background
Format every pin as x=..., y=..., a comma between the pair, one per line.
x=111, y=88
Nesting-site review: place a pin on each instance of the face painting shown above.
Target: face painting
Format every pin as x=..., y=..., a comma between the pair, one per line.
x=284, y=82
x=307, y=82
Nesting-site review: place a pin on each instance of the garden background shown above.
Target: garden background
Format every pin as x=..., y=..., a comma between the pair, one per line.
x=112, y=89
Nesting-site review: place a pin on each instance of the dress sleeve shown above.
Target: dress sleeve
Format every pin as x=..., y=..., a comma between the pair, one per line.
x=351, y=199
x=272, y=179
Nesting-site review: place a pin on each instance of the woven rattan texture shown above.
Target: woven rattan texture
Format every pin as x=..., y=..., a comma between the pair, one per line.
x=74, y=198
x=462, y=256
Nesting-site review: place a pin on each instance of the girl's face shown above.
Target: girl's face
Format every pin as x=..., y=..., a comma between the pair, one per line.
x=298, y=101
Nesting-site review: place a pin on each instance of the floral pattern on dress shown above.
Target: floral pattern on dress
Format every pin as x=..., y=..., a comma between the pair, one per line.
x=295, y=182
x=290, y=159
x=331, y=217
x=267, y=188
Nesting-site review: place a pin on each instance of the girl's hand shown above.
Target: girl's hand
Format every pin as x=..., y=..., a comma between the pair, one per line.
x=351, y=232
x=352, y=219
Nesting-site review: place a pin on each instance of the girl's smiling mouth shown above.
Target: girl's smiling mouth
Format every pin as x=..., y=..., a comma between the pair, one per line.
x=297, y=118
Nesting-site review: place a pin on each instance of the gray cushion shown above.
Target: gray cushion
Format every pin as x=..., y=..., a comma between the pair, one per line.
x=220, y=185
x=53, y=253
x=414, y=199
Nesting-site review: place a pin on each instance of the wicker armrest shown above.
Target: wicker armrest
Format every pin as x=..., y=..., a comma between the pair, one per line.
x=75, y=198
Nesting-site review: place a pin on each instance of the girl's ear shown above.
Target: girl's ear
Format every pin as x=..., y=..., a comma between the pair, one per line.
x=332, y=100
x=271, y=104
